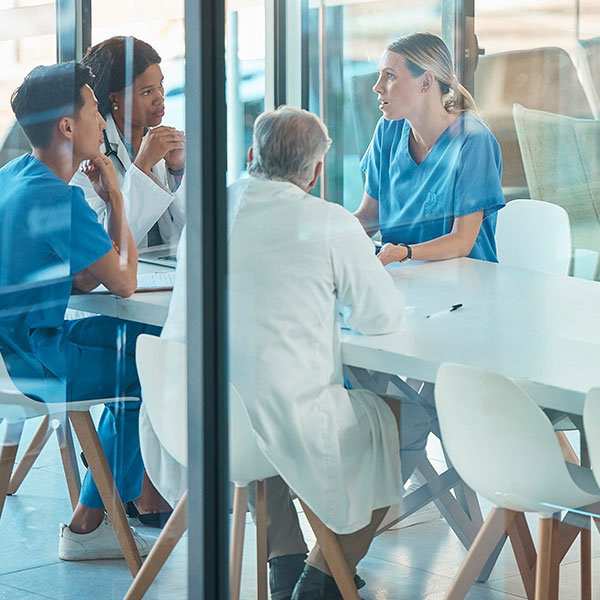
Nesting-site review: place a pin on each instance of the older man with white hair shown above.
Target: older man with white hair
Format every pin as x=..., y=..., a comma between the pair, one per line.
x=295, y=262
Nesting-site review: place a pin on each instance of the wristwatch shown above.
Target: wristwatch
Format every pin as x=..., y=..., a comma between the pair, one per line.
x=408, y=250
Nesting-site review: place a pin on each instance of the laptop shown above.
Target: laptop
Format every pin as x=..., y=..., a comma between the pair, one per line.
x=164, y=255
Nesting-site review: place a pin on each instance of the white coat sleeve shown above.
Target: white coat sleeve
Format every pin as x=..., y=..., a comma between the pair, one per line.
x=364, y=288
x=177, y=209
x=145, y=201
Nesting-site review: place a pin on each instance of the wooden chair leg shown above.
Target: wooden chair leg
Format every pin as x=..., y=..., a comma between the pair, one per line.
x=525, y=552
x=544, y=584
x=36, y=445
x=567, y=450
x=94, y=454
x=238, y=529
x=482, y=547
x=69, y=460
x=171, y=534
x=332, y=553
x=260, y=517
x=555, y=557
x=586, y=563
x=8, y=453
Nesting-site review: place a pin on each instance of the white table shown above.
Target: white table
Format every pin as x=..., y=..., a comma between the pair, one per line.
x=543, y=330
x=144, y=307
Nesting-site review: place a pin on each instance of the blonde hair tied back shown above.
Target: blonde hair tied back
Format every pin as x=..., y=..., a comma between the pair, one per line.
x=426, y=51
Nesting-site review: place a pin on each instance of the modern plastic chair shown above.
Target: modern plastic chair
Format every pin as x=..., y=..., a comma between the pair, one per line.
x=16, y=408
x=561, y=156
x=504, y=447
x=162, y=371
x=539, y=78
x=587, y=53
x=248, y=463
x=534, y=235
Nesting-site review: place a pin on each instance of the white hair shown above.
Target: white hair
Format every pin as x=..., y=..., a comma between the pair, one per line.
x=287, y=144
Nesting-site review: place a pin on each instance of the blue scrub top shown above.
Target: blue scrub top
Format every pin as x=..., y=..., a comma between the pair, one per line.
x=48, y=232
x=460, y=175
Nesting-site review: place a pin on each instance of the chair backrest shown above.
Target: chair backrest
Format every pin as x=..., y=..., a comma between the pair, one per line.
x=591, y=425
x=587, y=53
x=561, y=156
x=539, y=78
x=365, y=109
x=534, y=235
x=500, y=441
x=246, y=461
x=14, y=405
x=162, y=370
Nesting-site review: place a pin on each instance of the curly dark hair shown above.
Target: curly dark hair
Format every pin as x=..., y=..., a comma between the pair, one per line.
x=116, y=63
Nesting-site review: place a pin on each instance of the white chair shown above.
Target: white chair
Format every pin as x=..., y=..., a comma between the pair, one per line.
x=504, y=447
x=16, y=408
x=534, y=235
x=163, y=374
x=162, y=370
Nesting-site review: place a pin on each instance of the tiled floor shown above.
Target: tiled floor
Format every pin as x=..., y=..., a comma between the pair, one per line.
x=414, y=562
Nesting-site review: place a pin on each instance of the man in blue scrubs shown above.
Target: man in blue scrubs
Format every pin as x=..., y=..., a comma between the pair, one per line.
x=51, y=244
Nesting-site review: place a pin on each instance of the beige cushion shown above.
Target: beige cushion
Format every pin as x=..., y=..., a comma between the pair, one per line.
x=561, y=156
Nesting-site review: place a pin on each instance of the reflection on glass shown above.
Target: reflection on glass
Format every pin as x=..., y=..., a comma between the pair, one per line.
x=27, y=39
x=352, y=36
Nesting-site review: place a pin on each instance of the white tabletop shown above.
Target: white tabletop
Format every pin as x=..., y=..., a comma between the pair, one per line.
x=538, y=328
x=543, y=330
x=145, y=307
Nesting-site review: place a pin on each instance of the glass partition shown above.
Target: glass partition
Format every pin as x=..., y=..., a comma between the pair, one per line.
x=346, y=40
x=27, y=39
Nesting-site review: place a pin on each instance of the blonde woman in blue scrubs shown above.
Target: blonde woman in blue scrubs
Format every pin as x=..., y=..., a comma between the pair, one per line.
x=433, y=169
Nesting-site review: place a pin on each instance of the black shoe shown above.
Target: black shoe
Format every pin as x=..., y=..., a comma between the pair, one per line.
x=157, y=520
x=316, y=585
x=359, y=582
x=284, y=572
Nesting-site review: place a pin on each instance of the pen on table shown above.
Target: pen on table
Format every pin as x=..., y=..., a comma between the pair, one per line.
x=443, y=312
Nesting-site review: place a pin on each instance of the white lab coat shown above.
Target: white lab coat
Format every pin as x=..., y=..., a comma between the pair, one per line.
x=168, y=476
x=293, y=259
x=147, y=200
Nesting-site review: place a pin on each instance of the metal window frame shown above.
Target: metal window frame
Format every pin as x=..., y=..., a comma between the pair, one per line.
x=73, y=29
x=206, y=293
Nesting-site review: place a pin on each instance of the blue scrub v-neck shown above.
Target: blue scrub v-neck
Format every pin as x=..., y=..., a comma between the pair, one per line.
x=419, y=202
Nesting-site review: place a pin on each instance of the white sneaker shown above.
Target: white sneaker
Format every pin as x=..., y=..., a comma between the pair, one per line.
x=100, y=543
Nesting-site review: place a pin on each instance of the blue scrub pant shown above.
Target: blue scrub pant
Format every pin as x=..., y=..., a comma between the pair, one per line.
x=101, y=359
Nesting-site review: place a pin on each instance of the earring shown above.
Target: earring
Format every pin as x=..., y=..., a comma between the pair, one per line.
x=423, y=90
x=115, y=107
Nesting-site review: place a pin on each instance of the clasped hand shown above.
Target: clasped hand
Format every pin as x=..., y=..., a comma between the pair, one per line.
x=158, y=143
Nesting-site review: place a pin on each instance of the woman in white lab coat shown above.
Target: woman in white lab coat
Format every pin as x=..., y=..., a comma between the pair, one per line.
x=149, y=158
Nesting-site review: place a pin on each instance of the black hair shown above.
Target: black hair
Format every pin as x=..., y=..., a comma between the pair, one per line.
x=116, y=63
x=47, y=94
